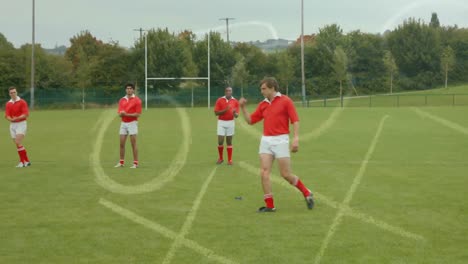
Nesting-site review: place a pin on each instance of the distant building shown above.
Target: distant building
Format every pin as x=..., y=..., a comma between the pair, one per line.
x=58, y=50
x=272, y=45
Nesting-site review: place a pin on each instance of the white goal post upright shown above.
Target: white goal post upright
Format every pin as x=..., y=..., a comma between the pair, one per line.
x=174, y=78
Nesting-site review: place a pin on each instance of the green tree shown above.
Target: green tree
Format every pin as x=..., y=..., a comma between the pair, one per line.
x=447, y=61
x=340, y=66
x=416, y=49
x=240, y=74
x=390, y=67
x=434, y=21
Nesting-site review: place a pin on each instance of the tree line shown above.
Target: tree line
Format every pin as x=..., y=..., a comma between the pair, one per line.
x=415, y=55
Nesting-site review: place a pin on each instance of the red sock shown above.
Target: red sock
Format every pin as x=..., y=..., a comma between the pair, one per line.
x=268, y=198
x=135, y=162
x=299, y=185
x=220, y=151
x=229, y=151
x=121, y=162
x=23, y=154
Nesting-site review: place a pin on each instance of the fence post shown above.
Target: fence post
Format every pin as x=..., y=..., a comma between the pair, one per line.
x=370, y=100
x=341, y=101
x=325, y=101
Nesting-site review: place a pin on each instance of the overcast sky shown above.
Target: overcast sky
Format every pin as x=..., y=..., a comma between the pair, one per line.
x=115, y=20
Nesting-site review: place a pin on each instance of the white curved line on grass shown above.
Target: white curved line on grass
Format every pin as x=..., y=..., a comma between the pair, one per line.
x=156, y=183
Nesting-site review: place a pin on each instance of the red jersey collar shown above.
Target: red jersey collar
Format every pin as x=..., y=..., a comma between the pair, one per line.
x=278, y=94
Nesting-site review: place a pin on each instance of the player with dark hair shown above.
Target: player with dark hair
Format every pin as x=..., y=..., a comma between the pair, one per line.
x=129, y=111
x=227, y=109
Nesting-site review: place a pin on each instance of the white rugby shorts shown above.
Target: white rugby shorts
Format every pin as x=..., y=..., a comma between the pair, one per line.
x=130, y=128
x=278, y=146
x=226, y=128
x=18, y=128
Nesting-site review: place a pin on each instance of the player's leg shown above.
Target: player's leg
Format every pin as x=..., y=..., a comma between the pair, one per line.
x=18, y=132
x=122, y=141
x=229, y=135
x=123, y=132
x=133, y=140
x=284, y=164
x=266, y=162
x=133, y=131
x=220, y=145
x=229, y=149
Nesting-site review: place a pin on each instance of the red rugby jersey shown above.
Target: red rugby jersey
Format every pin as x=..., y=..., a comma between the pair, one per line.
x=130, y=105
x=222, y=103
x=276, y=115
x=17, y=108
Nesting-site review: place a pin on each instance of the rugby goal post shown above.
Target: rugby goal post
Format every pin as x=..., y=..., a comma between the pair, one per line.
x=175, y=78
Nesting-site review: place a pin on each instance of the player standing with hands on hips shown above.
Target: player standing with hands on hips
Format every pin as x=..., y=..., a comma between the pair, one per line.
x=226, y=108
x=129, y=111
x=277, y=110
x=16, y=111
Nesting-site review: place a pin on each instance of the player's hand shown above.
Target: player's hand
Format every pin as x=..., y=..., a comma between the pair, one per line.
x=122, y=113
x=295, y=145
x=242, y=102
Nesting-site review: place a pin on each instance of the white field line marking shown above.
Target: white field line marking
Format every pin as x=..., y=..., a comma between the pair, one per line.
x=324, y=126
x=156, y=183
x=349, y=195
x=442, y=121
x=188, y=222
x=348, y=211
x=163, y=231
x=249, y=129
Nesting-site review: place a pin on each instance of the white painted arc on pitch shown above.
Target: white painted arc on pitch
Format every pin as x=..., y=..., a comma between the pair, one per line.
x=189, y=221
x=348, y=211
x=442, y=121
x=164, y=231
x=166, y=176
x=324, y=126
x=349, y=195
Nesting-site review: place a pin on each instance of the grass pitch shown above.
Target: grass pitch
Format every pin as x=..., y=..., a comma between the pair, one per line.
x=71, y=206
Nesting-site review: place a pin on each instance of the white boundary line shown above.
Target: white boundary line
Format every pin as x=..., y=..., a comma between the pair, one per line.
x=189, y=221
x=349, y=195
x=442, y=121
x=348, y=211
x=163, y=231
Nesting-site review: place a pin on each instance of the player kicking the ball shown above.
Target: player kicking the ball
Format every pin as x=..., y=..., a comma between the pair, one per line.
x=276, y=111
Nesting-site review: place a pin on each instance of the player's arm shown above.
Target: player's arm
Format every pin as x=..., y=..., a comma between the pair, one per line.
x=7, y=114
x=295, y=142
x=137, y=110
x=235, y=112
x=221, y=112
x=243, y=103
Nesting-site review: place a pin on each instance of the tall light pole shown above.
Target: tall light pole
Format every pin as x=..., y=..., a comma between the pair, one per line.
x=32, y=54
x=302, y=55
x=227, y=26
